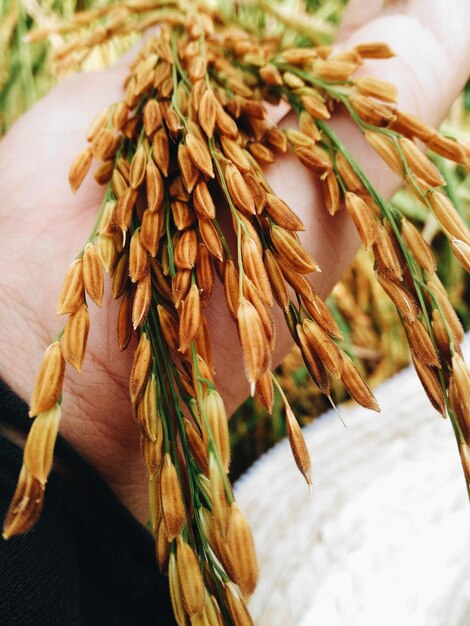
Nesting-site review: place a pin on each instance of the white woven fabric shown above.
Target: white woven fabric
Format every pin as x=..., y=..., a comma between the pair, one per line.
x=384, y=539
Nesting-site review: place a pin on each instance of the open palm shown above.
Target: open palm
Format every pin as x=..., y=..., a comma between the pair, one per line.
x=43, y=226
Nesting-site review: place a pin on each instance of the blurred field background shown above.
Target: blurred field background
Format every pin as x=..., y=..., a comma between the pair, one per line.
x=372, y=332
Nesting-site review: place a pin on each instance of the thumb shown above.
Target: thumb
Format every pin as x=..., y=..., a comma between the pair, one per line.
x=432, y=47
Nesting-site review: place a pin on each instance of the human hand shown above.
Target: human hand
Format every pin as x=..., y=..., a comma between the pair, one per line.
x=42, y=227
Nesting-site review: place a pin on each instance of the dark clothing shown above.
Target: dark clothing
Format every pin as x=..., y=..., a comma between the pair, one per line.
x=87, y=561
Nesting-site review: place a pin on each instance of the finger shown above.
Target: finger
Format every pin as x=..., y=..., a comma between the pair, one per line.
x=450, y=24
x=358, y=13
x=430, y=67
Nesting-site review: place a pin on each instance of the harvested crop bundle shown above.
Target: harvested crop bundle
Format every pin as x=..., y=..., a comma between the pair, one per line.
x=185, y=204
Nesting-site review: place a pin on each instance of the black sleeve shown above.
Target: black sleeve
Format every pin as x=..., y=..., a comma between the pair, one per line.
x=87, y=561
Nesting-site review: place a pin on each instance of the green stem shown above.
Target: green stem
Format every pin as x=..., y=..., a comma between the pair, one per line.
x=94, y=231
x=212, y=445
x=171, y=252
x=240, y=225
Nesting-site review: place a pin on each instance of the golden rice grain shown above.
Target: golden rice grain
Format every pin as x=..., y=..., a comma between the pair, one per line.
x=276, y=279
x=312, y=361
x=428, y=377
x=418, y=246
x=152, y=117
x=211, y=238
x=401, y=298
x=202, y=200
x=231, y=289
x=169, y=326
x=238, y=611
x=277, y=139
x=371, y=111
x=140, y=367
x=104, y=173
x=292, y=252
x=176, y=593
x=180, y=286
x=26, y=505
x=308, y=128
x=252, y=294
x=235, y=153
x=161, y=151
x=49, y=379
x=197, y=447
x=331, y=193
x=442, y=337
x=74, y=339
x=281, y=214
x=356, y=385
x=254, y=268
x=189, y=318
x=207, y=112
x=39, y=448
x=374, y=50
x=297, y=281
x=262, y=154
x=448, y=217
x=238, y=190
x=421, y=343
x=387, y=261
x=204, y=275
x=220, y=508
x=154, y=187
x=420, y=164
x=461, y=251
x=73, y=289
x=448, y=148
x=189, y=571
x=147, y=411
x=138, y=167
x=185, y=249
x=151, y=230
x=298, y=446
x=271, y=75
x=265, y=391
x=315, y=159
x=350, y=178
x=142, y=299
x=183, y=215
x=363, y=219
x=171, y=498
x=218, y=421
x=299, y=56
x=461, y=375
x=241, y=546
x=80, y=168
x=334, y=70
x=446, y=307
x=123, y=209
x=324, y=346
x=188, y=168
x=225, y=124
x=376, y=88
x=315, y=107
x=124, y=322
x=93, y=276
x=119, y=183
x=386, y=149
x=256, y=353
x=322, y=315
x=200, y=155
x=104, y=144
